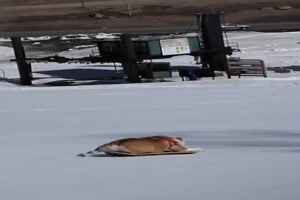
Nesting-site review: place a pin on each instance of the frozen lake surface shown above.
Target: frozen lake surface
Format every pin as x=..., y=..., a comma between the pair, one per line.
x=249, y=129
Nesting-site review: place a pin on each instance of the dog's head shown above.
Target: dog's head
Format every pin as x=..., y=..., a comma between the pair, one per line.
x=179, y=140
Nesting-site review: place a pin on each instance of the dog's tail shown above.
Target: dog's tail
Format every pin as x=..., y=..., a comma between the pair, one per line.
x=99, y=149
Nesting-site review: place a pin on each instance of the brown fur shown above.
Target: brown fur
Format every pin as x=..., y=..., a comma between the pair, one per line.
x=152, y=144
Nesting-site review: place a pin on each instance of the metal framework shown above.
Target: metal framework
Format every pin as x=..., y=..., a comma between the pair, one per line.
x=212, y=52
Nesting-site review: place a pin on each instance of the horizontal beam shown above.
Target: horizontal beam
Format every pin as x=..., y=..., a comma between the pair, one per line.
x=132, y=31
x=97, y=59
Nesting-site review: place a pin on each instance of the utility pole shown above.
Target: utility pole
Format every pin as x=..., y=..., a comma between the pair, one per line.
x=130, y=63
x=129, y=8
x=24, y=68
x=82, y=4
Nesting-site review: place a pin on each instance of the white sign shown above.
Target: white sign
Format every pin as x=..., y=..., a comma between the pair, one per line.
x=175, y=46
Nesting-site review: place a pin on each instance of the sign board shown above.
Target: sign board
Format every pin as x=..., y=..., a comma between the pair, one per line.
x=175, y=46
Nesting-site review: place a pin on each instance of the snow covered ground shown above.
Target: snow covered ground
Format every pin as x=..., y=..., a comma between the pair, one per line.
x=277, y=49
x=248, y=127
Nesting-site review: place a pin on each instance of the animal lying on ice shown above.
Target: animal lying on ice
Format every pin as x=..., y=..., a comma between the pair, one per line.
x=152, y=145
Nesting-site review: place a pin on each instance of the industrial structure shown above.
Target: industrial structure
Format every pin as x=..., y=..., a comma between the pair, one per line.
x=207, y=45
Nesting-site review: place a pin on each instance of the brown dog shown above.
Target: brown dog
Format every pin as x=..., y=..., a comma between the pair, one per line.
x=152, y=144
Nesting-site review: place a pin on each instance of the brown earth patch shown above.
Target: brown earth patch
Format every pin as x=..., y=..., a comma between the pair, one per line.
x=42, y=15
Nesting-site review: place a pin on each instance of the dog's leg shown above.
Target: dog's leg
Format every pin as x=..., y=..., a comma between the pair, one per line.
x=88, y=154
x=178, y=148
x=95, y=151
x=105, y=148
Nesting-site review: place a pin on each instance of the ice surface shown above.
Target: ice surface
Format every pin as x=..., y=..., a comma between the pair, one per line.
x=249, y=130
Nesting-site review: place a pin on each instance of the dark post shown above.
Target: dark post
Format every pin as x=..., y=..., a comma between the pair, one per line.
x=263, y=68
x=130, y=62
x=23, y=67
x=213, y=42
x=198, y=18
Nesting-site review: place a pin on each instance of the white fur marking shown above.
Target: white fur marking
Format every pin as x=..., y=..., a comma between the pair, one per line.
x=117, y=148
x=181, y=142
x=194, y=149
